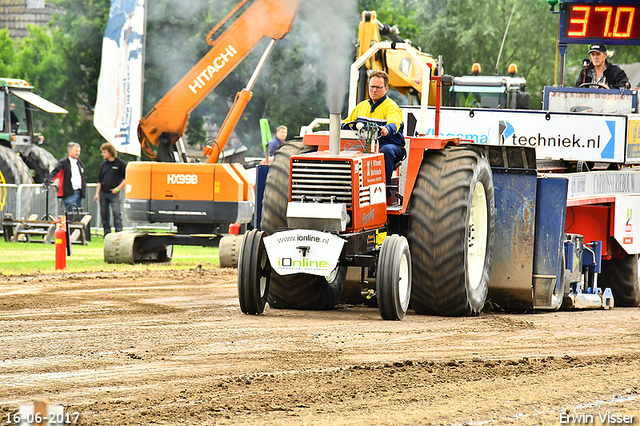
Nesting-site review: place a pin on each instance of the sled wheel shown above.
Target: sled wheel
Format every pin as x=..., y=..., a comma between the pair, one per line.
x=393, y=278
x=254, y=273
x=623, y=277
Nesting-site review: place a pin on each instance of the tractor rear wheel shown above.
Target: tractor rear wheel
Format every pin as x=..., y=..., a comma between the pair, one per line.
x=12, y=168
x=41, y=162
x=393, y=278
x=254, y=273
x=623, y=277
x=14, y=171
x=297, y=291
x=451, y=232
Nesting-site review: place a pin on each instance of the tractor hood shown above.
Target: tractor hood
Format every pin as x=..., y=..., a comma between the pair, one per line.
x=38, y=101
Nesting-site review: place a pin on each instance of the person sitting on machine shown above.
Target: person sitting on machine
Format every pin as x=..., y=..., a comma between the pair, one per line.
x=600, y=72
x=383, y=111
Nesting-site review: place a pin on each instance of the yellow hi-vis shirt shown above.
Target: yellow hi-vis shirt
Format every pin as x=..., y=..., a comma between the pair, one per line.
x=383, y=113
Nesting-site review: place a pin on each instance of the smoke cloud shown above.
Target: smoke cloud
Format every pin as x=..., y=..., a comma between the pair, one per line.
x=331, y=29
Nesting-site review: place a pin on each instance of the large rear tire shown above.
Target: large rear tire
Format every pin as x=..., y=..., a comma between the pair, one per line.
x=623, y=277
x=12, y=169
x=451, y=232
x=254, y=272
x=393, y=278
x=297, y=291
x=41, y=161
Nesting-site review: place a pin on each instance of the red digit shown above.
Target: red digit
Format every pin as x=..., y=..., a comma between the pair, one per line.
x=580, y=21
x=631, y=11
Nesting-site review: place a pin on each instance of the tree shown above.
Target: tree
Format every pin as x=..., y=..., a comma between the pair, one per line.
x=7, y=53
x=468, y=31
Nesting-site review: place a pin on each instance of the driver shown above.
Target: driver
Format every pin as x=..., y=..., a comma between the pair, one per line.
x=600, y=71
x=384, y=112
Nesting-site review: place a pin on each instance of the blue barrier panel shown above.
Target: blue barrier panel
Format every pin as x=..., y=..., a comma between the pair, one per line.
x=547, y=259
x=512, y=267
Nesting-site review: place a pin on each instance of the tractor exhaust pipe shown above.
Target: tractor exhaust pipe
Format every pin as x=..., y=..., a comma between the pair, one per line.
x=334, y=133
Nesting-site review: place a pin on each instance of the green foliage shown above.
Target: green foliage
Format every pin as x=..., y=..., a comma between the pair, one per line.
x=468, y=31
x=7, y=53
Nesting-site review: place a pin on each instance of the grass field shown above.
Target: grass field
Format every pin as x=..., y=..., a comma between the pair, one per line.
x=33, y=258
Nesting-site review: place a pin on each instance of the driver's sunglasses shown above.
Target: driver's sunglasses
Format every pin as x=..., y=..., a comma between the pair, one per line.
x=377, y=87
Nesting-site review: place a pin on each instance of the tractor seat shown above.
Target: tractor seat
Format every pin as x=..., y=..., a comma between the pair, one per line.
x=399, y=162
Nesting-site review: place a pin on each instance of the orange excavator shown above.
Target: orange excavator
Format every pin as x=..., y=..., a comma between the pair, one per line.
x=198, y=198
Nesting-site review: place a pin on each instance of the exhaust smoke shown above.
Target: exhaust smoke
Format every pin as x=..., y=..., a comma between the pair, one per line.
x=334, y=22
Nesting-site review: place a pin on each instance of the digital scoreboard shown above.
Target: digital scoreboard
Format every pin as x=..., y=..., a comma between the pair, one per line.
x=606, y=22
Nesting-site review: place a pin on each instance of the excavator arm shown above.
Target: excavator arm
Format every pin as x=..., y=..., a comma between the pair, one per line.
x=166, y=122
x=405, y=74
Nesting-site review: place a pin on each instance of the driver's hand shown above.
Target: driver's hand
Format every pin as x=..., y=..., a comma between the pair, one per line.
x=606, y=86
x=384, y=131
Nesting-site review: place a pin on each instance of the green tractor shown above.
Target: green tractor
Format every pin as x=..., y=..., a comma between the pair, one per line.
x=22, y=159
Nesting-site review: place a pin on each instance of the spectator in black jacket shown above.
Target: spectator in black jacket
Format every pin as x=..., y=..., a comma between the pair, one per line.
x=71, y=176
x=111, y=180
x=600, y=71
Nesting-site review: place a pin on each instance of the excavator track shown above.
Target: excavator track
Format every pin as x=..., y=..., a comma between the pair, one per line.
x=123, y=247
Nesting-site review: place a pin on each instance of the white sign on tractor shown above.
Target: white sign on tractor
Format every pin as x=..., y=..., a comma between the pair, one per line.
x=303, y=251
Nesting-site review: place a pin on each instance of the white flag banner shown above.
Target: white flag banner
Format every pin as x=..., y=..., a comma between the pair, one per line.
x=119, y=96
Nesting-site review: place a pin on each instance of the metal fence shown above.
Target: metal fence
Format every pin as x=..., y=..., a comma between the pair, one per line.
x=8, y=199
x=23, y=201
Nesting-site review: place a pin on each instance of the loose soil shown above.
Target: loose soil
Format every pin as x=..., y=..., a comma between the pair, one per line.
x=172, y=347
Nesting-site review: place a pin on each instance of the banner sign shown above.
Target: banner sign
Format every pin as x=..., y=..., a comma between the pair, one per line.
x=568, y=136
x=119, y=99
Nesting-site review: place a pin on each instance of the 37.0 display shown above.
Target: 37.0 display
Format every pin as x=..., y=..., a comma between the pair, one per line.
x=616, y=23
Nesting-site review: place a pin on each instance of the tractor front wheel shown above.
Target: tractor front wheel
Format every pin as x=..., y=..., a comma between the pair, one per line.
x=393, y=278
x=254, y=273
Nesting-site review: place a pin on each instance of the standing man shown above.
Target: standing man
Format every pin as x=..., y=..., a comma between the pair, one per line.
x=111, y=180
x=72, y=179
x=384, y=112
x=601, y=71
x=274, y=144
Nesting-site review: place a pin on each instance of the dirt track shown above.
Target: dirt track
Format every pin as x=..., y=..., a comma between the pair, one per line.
x=174, y=348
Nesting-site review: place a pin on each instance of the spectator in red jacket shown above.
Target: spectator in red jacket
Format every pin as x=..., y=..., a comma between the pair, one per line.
x=71, y=176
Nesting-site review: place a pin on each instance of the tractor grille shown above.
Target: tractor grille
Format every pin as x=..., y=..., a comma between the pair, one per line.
x=319, y=181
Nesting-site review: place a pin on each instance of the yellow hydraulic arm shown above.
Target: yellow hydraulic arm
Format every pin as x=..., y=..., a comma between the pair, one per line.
x=404, y=73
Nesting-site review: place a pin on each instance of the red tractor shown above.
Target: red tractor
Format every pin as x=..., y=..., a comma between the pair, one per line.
x=325, y=210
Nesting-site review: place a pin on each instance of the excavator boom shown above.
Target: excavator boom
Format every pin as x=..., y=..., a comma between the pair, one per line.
x=264, y=18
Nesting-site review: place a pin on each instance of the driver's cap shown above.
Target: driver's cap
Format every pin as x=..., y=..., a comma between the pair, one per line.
x=598, y=47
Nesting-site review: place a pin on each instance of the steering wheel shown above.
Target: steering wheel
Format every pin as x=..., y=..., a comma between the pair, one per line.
x=597, y=85
x=355, y=125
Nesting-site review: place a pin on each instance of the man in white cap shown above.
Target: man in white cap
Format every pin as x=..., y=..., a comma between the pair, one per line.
x=602, y=72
